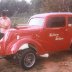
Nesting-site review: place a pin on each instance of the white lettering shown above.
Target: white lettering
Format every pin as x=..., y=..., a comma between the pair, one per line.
x=57, y=37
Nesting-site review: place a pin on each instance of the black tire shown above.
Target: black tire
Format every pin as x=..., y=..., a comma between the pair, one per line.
x=27, y=56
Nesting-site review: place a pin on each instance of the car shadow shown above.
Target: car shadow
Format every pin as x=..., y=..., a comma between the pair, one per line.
x=57, y=57
x=41, y=63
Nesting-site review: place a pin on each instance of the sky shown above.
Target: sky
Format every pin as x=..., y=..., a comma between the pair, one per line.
x=28, y=1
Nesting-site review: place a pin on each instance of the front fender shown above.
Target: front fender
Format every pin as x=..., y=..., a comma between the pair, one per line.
x=15, y=47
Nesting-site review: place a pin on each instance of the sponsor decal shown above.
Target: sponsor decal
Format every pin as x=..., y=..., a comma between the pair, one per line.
x=56, y=36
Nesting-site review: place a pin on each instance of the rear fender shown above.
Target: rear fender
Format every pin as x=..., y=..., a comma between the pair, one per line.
x=19, y=45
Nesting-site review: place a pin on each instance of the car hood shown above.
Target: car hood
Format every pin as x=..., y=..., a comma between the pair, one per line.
x=28, y=27
x=24, y=29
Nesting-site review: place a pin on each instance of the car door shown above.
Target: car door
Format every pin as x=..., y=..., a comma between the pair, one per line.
x=56, y=33
x=69, y=22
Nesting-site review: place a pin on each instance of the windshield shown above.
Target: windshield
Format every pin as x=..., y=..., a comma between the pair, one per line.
x=36, y=22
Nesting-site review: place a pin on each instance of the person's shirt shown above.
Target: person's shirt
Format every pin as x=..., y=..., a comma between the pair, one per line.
x=6, y=22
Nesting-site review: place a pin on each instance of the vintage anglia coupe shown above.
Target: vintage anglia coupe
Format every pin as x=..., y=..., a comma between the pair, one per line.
x=45, y=33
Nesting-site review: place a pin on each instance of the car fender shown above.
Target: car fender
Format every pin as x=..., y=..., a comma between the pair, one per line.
x=18, y=45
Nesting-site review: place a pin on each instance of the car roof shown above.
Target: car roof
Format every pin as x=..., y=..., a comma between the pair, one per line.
x=51, y=13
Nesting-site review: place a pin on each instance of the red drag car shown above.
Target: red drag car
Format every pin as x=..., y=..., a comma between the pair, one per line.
x=45, y=33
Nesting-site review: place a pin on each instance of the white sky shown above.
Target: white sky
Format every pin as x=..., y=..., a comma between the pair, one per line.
x=28, y=1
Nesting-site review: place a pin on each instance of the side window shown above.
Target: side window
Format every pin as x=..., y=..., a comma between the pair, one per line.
x=70, y=20
x=56, y=22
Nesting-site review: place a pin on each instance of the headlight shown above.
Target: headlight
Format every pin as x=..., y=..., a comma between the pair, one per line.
x=18, y=37
x=6, y=36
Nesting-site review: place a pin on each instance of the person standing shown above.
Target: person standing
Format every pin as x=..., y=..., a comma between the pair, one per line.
x=5, y=22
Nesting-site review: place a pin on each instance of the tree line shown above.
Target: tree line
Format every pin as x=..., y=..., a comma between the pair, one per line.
x=36, y=6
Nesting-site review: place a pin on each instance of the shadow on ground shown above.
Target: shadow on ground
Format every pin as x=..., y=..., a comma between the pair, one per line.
x=58, y=62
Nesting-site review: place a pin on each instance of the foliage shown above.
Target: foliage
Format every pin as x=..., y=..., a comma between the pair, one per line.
x=37, y=6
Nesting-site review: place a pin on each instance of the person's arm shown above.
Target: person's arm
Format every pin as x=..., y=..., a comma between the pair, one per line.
x=0, y=25
x=7, y=24
x=3, y=26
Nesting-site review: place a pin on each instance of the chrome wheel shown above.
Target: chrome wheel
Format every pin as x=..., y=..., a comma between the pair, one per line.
x=29, y=59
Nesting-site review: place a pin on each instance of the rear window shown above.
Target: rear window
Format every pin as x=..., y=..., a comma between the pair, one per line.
x=56, y=22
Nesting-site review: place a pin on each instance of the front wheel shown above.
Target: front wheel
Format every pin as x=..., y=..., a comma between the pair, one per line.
x=28, y=58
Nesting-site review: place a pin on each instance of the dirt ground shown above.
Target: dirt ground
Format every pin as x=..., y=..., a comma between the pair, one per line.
x=59, y=62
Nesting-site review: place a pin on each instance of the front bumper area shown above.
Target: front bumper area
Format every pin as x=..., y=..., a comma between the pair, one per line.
x=1, y=49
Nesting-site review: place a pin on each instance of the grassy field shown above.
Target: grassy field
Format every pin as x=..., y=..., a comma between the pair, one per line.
x=19, y=20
